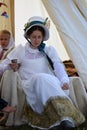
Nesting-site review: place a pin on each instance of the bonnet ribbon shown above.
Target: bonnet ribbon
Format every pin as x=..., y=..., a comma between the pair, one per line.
x=41, y=49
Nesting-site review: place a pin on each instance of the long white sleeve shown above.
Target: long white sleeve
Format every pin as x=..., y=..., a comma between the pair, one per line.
x=4, y=66
x=60, y=72
x=59, y=68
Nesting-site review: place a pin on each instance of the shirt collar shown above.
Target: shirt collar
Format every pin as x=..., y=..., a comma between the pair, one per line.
x=31, y=50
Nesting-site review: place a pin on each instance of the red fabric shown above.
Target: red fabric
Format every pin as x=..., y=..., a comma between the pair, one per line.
x=1, y=54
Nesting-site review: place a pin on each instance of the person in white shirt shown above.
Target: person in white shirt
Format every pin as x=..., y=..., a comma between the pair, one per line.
x=44, y=82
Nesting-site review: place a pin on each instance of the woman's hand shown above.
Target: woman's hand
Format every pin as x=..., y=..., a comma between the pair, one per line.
x=65, y=86
x=14, y=66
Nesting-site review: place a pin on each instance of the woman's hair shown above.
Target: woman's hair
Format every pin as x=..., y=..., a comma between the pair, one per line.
x=36, y=28
x=4, y=32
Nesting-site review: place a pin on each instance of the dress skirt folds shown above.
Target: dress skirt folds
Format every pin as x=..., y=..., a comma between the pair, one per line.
x=55, y=110
x=47, y=104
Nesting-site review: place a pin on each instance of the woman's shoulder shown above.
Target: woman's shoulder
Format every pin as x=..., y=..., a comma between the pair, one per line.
x=18, y=48
x=17, y=51
x=52, y=53
x=50, y=48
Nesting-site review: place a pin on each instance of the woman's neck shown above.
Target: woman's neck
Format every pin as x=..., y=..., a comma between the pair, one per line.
x=33, y=47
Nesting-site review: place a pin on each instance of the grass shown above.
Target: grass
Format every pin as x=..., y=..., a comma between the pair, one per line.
x=27, y=127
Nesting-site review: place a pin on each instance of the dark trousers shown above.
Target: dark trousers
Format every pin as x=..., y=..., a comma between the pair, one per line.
x=3, y=103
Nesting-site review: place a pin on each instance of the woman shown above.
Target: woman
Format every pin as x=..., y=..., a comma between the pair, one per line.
x=44, y=80
x=6, y=43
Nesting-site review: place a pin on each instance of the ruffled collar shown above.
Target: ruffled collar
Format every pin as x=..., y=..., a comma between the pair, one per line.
x=31, y=50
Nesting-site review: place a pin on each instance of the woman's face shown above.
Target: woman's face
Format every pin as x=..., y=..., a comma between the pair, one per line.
x=36, y=38
x=4, y=40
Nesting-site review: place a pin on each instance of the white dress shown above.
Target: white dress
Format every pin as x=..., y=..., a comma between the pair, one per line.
x=47, y=102
x=38, y=80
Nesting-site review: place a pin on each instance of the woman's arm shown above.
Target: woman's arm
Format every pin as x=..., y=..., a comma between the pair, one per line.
x=59, y=68
x=4, y=65
x=61, y=74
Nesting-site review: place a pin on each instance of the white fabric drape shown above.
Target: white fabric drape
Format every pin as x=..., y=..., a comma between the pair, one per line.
x=82, y=6
x=72, y=27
